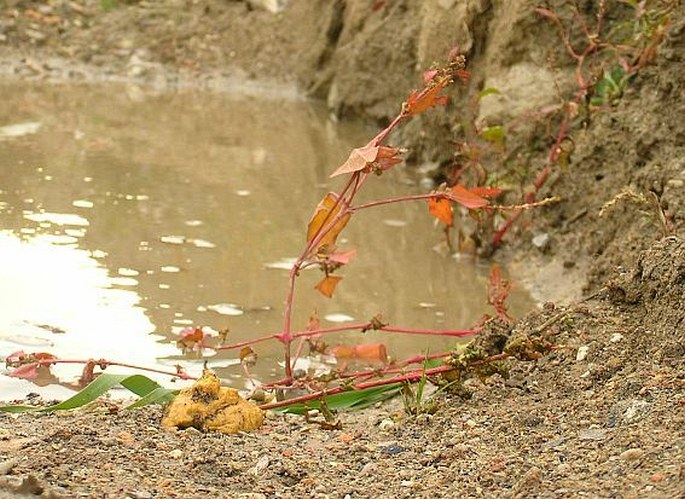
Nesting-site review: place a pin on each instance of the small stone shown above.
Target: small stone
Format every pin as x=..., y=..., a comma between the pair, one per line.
x=262, y=464
x=582, y=353
x=631, y=454
x=616, y=337
x=470, y=423
x=176, y=454
x=657, y=477
x=592, y=434
x=675, y=182
x=541, y=241
x=386, y=425
x=554, y=443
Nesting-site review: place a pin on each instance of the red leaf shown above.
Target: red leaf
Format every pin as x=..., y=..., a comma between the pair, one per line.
x=428, y=76
x=387, y=158
x=546, y=13
x=486, y=191
x=342, y=258
x=420, y=101
x=27, y=371
x=441, y=209
x=43, y=356
x=15, y=358
x=327, y=285
x=358, y=160
x=467, y=198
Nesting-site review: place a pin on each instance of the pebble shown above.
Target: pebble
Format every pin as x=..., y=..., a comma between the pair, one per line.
x=582, y=353
x=176, y=454
x=386, y=425
x=616, y=337
x=262, y=464
x=632, y=454
x=592, y=434
x=541, y=241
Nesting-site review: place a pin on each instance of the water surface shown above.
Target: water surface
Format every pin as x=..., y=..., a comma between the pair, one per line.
x=126, y=216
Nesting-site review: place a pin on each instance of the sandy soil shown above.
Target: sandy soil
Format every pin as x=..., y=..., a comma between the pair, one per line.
x=601, y=415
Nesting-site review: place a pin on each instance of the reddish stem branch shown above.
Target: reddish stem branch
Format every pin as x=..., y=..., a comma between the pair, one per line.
x=108, y=363
x=409, y=377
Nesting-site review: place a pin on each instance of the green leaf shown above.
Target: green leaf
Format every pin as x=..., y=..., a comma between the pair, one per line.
x=494, y=134
x=159, y=395
x=350, y=400
x=488, y=91
x=150, y=391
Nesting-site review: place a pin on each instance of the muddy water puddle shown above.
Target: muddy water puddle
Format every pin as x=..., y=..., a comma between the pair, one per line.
x=127, y=216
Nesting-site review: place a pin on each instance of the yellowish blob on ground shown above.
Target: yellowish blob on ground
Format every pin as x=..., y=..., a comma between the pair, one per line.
x=208, y=406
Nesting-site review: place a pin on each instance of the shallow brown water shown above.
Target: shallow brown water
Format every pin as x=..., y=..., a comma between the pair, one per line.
x=126, y=216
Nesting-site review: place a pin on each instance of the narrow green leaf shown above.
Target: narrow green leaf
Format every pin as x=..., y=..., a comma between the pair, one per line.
x=350, y=400
x=141, y=385
x=159, y=395
x=488, y=91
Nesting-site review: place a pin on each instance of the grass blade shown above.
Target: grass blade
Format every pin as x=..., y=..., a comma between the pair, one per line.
x=350, y=400
x=150, y=391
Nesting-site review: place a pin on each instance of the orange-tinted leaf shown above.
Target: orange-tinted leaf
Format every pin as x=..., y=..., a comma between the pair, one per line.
x=326, y=211
x=248, y=356
x=327, y=285
x=314, y=322
x=43, y=356
x=467, y=198
x=420, y=101
x=487, y=192
x=342, y=258
x=441, y=209
x=190, y=338
x=358, y=160
x=369, y=353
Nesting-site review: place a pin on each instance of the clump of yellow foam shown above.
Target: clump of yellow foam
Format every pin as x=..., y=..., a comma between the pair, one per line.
x=208, y=406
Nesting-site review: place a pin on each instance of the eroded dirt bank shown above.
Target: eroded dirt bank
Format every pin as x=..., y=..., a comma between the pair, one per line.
x=602, y=415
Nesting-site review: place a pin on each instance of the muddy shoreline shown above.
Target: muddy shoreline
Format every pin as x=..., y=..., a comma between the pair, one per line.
x=602, y=415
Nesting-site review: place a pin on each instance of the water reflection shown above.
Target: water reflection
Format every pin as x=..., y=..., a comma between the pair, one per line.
x=127, y=219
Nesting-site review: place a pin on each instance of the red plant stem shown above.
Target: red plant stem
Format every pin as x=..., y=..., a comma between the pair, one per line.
x=394, y=368
x=241, y=344
x=285, y=336
x=412, y=376
x=359, y=326
x=431, y=332
x=107, y=363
